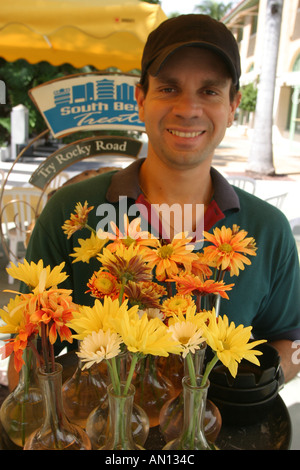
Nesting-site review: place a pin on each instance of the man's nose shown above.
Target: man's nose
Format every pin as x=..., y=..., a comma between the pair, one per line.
x=188, y=106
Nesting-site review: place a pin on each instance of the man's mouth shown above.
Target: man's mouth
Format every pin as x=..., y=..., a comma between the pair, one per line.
x=187, y=135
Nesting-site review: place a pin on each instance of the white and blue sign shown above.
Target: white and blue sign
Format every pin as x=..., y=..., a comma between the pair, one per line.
x=88, y=102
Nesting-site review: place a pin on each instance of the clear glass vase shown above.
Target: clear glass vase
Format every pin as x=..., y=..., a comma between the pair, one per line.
x=192, y=436
x=120, y=435
x=172, y=368
x=98, y=425
x=22, y=412
x=82, y=393
x=153, y=389
x=56, y=432
x=171, y=417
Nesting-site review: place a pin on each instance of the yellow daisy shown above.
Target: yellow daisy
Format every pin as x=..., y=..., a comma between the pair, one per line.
x=230, y=343
x=31, y=274
x=146, y=336
x=89, y=248
x=101, y=316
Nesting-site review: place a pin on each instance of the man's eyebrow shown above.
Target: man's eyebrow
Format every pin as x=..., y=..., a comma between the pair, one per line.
x=209, y=82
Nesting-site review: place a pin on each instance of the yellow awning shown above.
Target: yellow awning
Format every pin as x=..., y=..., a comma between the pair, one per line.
x=102, y=33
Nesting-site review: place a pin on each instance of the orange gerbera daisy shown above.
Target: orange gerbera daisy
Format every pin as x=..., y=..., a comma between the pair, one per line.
x=229, y=249
x=177, y=303
x=167, y=259
x=189, y=284
x=102, y=284
x=78, y=220
x=200, y=267
x=133, y=235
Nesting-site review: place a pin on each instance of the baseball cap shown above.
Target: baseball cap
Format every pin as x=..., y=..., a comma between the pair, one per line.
x=190, y=30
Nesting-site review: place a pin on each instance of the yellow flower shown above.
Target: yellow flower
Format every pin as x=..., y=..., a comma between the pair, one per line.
x=32, y=274
x=126, y=264
x=168, y=258
x=228, y=249
x=146, y=336
x=230, y=343
x=13, y=315
x=99, y=346
x=100, y=316
x=89, y=248
x=177, y=303
x=78, y=220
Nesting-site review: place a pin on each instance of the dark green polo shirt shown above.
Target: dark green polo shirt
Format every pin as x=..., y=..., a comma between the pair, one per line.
x=266, y=294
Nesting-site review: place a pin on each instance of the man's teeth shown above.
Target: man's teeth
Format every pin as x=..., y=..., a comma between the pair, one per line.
x=185, y=134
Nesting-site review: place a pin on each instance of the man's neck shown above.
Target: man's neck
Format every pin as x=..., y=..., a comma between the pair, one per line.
x=190, y=189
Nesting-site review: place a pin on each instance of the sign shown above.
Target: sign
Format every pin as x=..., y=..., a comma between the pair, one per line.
x=79, y=150
x=88, y=102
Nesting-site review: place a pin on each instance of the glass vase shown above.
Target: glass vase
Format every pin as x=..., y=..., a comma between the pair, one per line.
x=120, y=435
x=192, y=436
x=22, y=412
x=172, y=368
x=153, y=389
x=56, y=432
x=97, y=425
x=171, y=417
x=82, y=393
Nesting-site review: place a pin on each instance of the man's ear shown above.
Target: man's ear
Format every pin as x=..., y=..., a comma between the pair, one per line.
x=140, y=97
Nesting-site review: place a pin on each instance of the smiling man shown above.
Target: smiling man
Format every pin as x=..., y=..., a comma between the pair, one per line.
x=187, y=97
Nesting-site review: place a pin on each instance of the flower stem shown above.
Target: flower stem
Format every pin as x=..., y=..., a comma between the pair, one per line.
x=208, y=369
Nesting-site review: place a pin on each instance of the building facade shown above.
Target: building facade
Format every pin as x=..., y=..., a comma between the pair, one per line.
x=247, y=23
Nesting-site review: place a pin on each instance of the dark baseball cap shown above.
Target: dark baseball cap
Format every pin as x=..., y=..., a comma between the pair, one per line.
x=190, y=30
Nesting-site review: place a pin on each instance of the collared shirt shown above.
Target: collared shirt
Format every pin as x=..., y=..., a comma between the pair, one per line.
x=266, y=294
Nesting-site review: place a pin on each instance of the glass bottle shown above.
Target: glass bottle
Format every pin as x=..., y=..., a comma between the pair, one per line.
x=192, y=436
x=97, y=424
x=82, y=393
x=22, y=412
x=153, y=389
x=171, y=416
x=56, y=432
x=120, y=410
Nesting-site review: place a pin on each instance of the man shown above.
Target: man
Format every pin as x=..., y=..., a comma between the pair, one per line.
x=187, y=97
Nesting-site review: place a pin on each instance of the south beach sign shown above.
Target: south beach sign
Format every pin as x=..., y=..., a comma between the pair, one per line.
x=88, y=102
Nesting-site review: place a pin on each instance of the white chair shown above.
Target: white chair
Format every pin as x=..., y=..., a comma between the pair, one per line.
x=243, y=182
x=58, y=181
x=277, y=201
x=295, y=226
x=19, y=210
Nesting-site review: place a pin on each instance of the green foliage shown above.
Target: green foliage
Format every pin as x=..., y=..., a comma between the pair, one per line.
x=215, y=9
x=249, y=96
x=19, y=77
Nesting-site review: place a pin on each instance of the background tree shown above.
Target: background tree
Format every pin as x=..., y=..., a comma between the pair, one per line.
x=214, y=9
x=261, y=152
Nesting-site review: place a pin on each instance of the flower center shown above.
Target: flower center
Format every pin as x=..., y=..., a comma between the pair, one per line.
x=128, y=241
x=166, y=251
x=225, y=247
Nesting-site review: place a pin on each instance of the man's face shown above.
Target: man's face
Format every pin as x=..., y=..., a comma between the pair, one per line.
x=187, y=108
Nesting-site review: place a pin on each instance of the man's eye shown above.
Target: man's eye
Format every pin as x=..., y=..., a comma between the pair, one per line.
x=210, y=92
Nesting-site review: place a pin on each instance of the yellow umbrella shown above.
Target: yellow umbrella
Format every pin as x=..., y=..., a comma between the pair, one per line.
x=102, y=33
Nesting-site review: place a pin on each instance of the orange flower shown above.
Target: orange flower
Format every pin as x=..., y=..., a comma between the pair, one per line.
x=133, y=235
x=177, y=303
x=200, y=267
x=78, y=220
x=167, y=259
x=189, y=284
x=54, y=308
x=228, y=249
x=102, y=284
x=144, y=294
